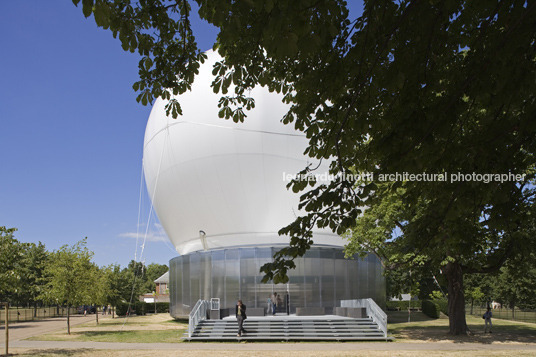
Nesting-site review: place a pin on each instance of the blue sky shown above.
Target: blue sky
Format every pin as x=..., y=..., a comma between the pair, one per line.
x=72, y=133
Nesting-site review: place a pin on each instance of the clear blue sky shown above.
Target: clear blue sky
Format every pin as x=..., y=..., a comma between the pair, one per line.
x=71, y=133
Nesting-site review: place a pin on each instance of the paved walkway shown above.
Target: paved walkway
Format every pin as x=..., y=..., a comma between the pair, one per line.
x=314, y=346
x=22, y=330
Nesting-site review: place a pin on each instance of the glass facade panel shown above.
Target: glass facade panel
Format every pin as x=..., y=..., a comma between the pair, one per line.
x=218, y=274
x=195, y=272
x=321, y=279
x=248, y=269
x=263, y=291
x=185, y=299
x=232, y=277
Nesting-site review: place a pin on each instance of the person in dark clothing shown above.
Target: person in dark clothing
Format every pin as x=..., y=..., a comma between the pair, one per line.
x=240, y=313
x=487, y=319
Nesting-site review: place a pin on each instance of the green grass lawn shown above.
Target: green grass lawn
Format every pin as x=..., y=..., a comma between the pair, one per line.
x=140, y=336
x=426, y=329
x=519, y=315
x=145, y=329
x=160, y=328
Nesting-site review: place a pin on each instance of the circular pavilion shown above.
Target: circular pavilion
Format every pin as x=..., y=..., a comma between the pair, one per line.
x=219, y=190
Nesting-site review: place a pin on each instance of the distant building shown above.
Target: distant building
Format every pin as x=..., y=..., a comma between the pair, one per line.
x=404, y=297
x=161, y=291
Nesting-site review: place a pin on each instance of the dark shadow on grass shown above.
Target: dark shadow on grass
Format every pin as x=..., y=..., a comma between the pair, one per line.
x=501, y=333
x=54, y=352
x=15, y=326
x=103, y=333
x=180, y=320
x=394, y=317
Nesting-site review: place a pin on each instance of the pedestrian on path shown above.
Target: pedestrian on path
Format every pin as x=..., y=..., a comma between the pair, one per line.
x=240, y=317
x=487, y=319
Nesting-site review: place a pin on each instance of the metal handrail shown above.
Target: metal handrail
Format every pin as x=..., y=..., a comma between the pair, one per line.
x=373, y=310
x=198, y=314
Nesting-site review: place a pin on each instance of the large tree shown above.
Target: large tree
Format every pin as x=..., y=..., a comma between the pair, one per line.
x=71, y=276
x=440, y=87
x=11, y=252
x=33, y=277
x=153, y=272
x=114, y=285
x=515, y=286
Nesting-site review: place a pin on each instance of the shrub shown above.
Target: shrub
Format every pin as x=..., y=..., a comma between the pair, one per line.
x=403, y=305
x=443, y=305
x=160, y=307
x=140, y=308
x=430, y=309
x=121, y=309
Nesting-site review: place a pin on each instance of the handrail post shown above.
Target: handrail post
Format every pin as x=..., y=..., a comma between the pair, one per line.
x=198, y=313
x=373, y=310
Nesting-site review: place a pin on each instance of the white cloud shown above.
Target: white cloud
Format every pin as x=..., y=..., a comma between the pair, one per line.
x=151, y=236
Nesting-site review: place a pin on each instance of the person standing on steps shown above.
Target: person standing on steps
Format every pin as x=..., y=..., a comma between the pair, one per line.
x=274, y=303
x=487, y=319
x=240, y=313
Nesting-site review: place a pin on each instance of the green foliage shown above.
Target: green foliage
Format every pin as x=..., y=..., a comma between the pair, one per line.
x=153, y=272
x=443, y=305
x=137, y=307
x=440, y=301
x=430, y=309
x=71, y=275
x=32, y=272
x=479, y=288
x=121, y=308
x=114, y=284
x=161, y=307
x=403, y=305
x=11, y=251
x=515, y=286
x=140, y=308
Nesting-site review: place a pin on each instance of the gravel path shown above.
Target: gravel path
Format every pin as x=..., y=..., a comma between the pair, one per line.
x=314, y=346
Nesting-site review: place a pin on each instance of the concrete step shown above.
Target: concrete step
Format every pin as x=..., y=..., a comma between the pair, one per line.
x=292, y=329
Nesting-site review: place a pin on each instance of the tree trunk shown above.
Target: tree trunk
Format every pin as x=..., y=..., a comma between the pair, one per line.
x=456, y=300
x=97, y=314
x=68, y=320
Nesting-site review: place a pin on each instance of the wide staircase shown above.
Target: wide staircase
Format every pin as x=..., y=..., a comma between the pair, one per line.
x=292, y=328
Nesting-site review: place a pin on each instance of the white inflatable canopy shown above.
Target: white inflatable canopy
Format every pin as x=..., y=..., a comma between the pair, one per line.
x=215, y=183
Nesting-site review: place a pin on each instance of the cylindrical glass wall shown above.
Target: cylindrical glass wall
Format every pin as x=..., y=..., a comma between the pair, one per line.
x=321, y=279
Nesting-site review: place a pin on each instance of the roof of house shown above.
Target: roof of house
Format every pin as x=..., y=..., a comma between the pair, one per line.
x=164, y=279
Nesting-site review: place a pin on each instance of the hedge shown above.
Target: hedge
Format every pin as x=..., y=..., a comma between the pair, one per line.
x=443, y=305
x=161, y=307
x=403, y=305
x=141, y=308
x=430, y=309
x=121, y=309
